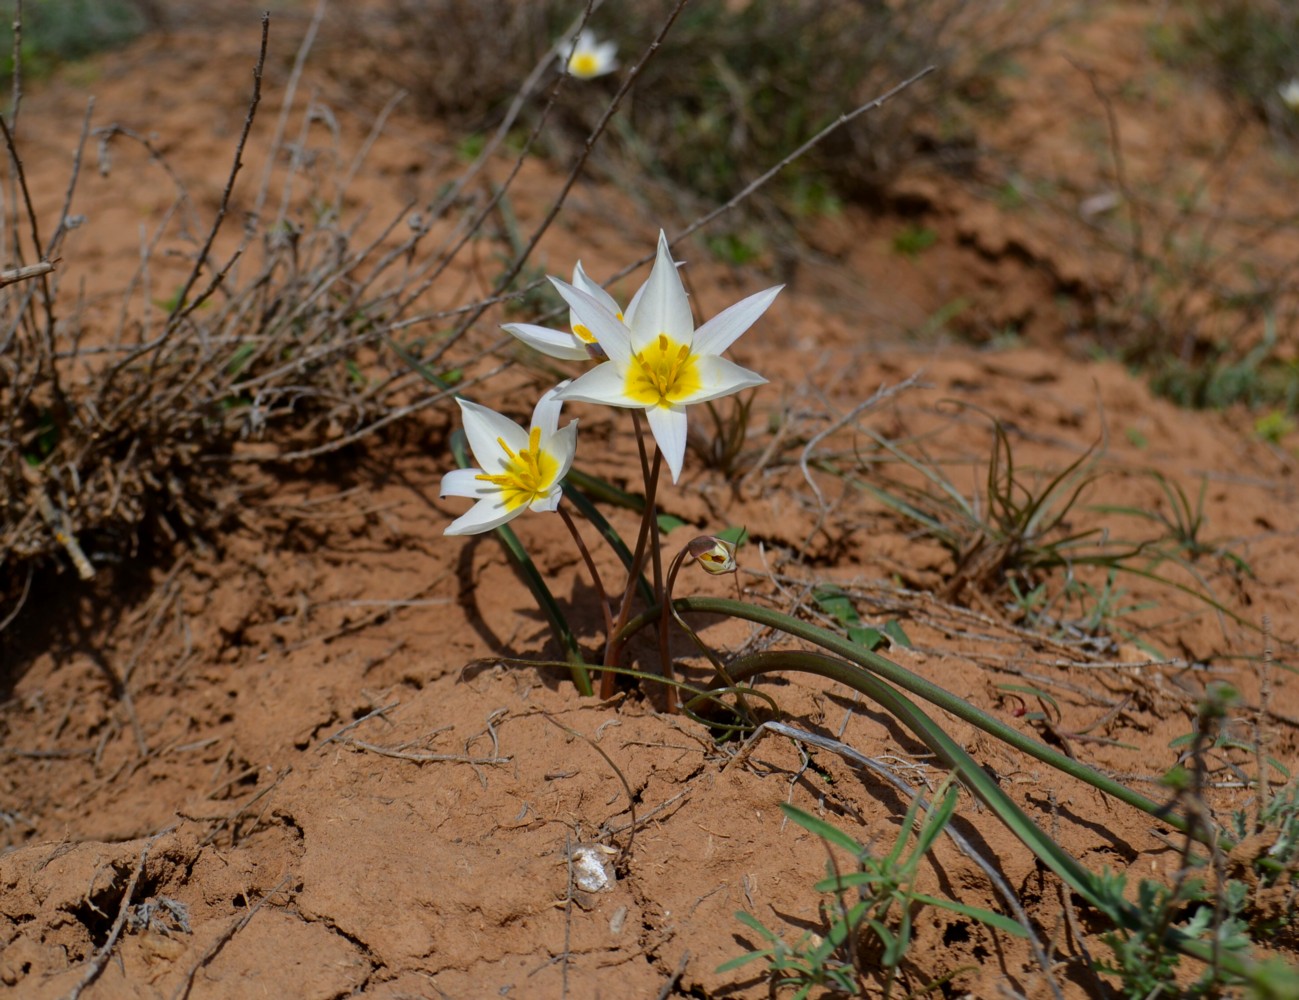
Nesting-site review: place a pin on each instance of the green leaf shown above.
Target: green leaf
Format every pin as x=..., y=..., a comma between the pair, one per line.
x=870, y=638
x=669, y=522
x=826, y=831
x=996, y=920
x=744, y=959
x=893, y=629
x=737, y=535
x=835, y=603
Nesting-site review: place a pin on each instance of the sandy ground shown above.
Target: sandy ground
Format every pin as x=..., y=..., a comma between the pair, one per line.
x=326, y=775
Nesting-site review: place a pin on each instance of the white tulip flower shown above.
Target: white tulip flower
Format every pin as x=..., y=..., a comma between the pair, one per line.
x=519, y=470
x=580, y=344
x=1290, y=94
x=589, y=57
x=666, y=364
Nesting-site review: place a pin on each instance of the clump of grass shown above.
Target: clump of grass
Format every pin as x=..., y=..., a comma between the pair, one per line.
x=61, y=31
x=871, y=916
x=1030, y=540
x=1014, y=530
x=1251, y=47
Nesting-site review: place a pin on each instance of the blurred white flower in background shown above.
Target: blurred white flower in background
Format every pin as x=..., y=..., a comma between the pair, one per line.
x=1290, y=94
x=590, y=57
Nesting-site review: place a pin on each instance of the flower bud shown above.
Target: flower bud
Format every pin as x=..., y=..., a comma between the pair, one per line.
x=715, y=555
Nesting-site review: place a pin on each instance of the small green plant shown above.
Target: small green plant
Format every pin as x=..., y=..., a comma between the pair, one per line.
x=1014, y=529
x=1021, y=536
x=734, y=248
x=1274, y=426
x=912, y=240
x=1142, y=961
x=1182, y=524
x=872, y=909
x=1225, y=918
x=809, y=963
x=834, y=602
x=61, y=31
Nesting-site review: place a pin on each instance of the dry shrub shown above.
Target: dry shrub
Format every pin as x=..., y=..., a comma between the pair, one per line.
x=275, y=346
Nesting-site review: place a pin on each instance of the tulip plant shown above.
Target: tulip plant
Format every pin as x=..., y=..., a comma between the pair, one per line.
x=652, y=360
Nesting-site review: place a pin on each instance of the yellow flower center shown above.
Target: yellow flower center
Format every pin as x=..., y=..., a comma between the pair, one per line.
x=527, y=476
x=663, y=373
x=583, y=64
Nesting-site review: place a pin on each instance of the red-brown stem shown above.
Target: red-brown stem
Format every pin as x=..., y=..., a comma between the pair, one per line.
x=655, y=546
x=613, y=648
x=590, y=565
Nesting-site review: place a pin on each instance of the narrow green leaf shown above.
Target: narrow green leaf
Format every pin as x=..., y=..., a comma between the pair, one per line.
x=824, y=830
x=996, y=920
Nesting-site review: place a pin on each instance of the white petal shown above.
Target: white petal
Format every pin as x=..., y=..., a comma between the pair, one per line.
x=583, y=283
x=634, y=304
x=549, y=501
x=609, y=331
x=465, y=483
x=629, y=314
x=554, y=343
x=668, y=425
x=605, y=384
x=563, y=445
x=483, y=516
x=663, y=307
x=720, y=377
x=606, y=54
x=725, y=328
x=546, y=413
x=483, y=428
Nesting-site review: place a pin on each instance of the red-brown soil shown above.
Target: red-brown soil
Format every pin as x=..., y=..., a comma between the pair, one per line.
x=246, y=768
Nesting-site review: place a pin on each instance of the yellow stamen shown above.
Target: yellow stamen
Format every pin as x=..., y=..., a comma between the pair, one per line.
x=664, y=373
x=583, y=332
x=528, y=476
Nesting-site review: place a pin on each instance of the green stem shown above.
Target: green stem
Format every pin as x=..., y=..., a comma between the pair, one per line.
x=550, y=607
x=591, y=512
x=590, y=567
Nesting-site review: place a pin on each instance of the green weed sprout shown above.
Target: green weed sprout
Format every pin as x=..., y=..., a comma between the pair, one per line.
x=882, y=916
x=653, y=361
